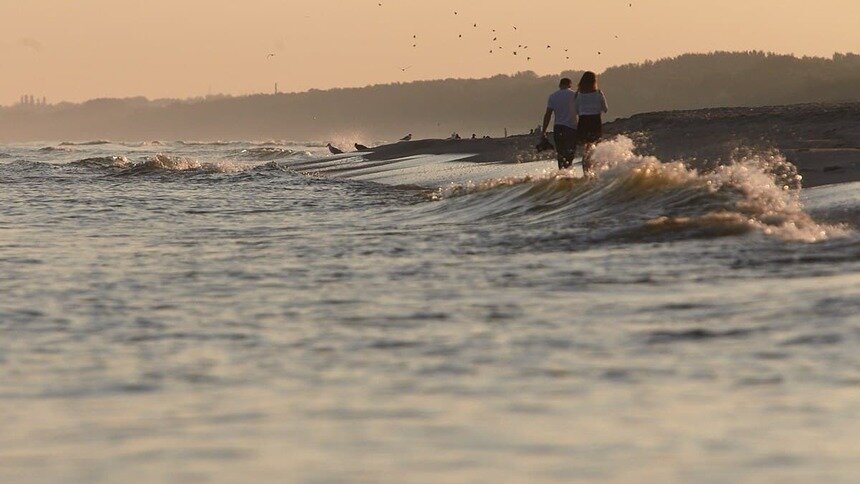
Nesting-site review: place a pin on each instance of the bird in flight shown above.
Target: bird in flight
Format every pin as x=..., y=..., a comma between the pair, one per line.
x=270, y=56
x=404, y=69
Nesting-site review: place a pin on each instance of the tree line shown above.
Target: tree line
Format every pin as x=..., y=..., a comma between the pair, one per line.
x=436, y=108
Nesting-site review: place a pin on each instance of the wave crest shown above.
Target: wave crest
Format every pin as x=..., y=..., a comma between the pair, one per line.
x=640, y=197
x=168, y=163
x=265, y=153
x=103, y=162
x=85, y=143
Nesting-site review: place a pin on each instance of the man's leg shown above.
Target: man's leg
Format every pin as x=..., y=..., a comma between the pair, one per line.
x=561, y=145
x=559, y=138
x=569, y=147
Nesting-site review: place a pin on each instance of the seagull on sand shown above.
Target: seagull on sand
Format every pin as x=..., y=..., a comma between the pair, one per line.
x=359, y=147
x=334, y=150
x=408, y=137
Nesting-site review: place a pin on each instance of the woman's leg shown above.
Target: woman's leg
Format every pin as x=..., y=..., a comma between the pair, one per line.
x=586, y=158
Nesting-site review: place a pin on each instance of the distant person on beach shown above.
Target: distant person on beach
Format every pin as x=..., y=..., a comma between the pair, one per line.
x=561, y=104
x=590, y=106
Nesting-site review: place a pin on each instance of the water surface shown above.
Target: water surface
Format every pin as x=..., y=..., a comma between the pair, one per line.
x=233, y=312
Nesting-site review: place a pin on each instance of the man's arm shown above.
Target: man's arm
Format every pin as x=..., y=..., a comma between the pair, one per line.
x=546, y=119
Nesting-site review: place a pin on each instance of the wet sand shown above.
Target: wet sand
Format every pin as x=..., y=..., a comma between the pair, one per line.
x=822, y=140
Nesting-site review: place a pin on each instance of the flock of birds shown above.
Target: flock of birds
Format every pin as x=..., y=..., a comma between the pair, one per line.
x=495, y=45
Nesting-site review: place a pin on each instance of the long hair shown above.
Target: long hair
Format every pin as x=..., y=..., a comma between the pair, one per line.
x=588, y=83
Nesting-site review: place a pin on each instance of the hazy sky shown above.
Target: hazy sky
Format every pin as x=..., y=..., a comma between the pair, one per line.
x=76, y=50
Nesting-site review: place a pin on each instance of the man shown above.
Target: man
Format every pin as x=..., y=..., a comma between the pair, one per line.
x=561, y=104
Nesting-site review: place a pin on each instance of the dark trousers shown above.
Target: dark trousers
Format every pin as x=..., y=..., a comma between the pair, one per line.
x=565, y=145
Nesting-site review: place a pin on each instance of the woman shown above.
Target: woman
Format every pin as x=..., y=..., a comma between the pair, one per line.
x=590, y=105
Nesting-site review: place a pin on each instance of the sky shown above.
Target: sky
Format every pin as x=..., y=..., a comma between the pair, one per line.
x=83, y=49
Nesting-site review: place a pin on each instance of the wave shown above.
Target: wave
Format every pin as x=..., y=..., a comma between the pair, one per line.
x=103, y=162
x=264, y=153
x=210, y=143
x=51, y=149
x=253, y=143
x=167, y=163
x=141, y=144
x=633, y=197
x=27, y=167
x=307, y=144
x=85, y=143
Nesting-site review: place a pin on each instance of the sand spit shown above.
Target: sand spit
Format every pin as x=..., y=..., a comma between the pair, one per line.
x=822, y=140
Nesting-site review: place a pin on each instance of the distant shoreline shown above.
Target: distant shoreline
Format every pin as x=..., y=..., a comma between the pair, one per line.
x=436, y=108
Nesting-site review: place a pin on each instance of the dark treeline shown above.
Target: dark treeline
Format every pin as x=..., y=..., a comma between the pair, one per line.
x=437, y=108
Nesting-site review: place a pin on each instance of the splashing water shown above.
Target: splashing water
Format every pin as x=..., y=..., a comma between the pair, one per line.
x=756, y=192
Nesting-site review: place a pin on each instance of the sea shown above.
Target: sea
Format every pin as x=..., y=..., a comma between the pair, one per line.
x=181, y=311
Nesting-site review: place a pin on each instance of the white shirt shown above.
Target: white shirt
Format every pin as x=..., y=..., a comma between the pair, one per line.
x=591, y=103
x=561, y=103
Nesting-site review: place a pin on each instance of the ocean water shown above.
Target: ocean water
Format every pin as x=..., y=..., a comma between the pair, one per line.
x=245, y=312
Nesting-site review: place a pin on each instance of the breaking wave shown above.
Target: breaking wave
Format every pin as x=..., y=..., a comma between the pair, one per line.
x=252, y=143
x=264, y=153
x=168, y=163
x=141, y=144
x=85, y=143
x=633, y=197
x=210, y=143
x=103, y=162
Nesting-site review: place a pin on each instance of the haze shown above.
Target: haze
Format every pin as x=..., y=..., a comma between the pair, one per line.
x=167, y=48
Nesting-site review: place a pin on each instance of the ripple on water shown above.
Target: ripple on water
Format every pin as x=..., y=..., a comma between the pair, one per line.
x=697, y=334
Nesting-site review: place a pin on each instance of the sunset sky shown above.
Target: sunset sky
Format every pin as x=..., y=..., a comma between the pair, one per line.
x=77, y=50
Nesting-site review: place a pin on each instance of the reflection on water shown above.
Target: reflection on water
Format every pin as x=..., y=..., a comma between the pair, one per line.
x=188, y=320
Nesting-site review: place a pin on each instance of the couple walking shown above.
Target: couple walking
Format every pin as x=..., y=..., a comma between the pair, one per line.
x=577, y=119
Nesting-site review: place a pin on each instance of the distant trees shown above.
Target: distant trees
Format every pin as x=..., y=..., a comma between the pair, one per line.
x=437, y=108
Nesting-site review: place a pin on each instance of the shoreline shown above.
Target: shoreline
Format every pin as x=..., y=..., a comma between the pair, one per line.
x=821, y=140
